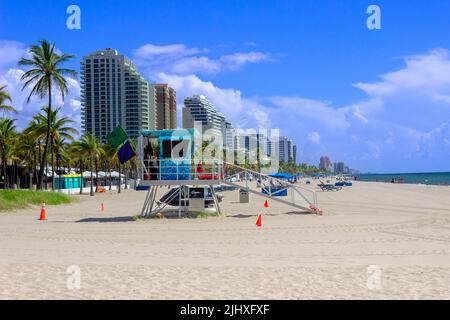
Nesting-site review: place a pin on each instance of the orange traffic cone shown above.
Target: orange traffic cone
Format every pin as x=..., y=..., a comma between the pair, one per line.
x=266, y=204
x=102, y=207
x=43, y=212
x=259, y=221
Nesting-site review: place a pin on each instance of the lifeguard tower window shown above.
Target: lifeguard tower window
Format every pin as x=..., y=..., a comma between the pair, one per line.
x=179, y=148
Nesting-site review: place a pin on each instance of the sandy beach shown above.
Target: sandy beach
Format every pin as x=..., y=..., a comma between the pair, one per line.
x=399, y=234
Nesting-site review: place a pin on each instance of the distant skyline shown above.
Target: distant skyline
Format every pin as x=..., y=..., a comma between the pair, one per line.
x=377, y=100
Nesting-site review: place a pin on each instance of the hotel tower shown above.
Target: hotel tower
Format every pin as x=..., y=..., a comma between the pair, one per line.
x=114, y=92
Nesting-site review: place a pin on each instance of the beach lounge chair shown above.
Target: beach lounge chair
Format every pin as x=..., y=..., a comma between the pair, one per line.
x=328, y=187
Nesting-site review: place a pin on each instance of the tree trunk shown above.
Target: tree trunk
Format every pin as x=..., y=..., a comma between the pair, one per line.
x=96, y=175
x=81, y=177
x=52, y=146
x=110, y=178
x=15, y=178
x=30, y=174
x=4, y=174
x=135, y=177
x=92, y=177
x=38, y=160
x=120, y=180
x=47, y=136
x=126, y=177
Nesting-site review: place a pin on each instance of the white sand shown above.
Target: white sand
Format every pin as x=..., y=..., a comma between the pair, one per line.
x=402, y=229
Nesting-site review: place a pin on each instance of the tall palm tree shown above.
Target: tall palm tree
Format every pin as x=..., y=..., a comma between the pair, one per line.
x=37, y=131
x=78, y=158
x=61, y=128
x=26, y=149
x=109, y=159
x=44, y=73
x=7, y=136
x=90, y=147
x=134, y=163
x=4, y=97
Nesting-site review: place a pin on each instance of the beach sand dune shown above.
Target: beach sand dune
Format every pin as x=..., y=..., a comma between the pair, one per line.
x=374, y=240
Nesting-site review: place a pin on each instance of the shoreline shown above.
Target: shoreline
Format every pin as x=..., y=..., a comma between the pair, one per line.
x=405, y=183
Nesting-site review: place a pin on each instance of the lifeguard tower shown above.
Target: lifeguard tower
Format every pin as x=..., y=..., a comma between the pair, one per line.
x=168, y=159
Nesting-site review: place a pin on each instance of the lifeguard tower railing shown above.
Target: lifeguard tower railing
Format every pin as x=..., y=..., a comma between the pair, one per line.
x=264, y=185
x=181, y=172
x=216, y=172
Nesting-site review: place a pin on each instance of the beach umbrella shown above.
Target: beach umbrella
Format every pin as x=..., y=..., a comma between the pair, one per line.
x=86, y=174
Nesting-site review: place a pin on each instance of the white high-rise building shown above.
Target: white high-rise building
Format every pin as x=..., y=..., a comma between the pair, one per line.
x=199, y=109
x=287, y=150
x=232, y=141
x=114, y=92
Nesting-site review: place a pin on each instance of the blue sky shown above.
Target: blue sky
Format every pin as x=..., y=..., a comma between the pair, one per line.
x=378, y=100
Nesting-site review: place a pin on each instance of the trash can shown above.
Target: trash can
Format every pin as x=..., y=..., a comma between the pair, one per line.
x=243, y=196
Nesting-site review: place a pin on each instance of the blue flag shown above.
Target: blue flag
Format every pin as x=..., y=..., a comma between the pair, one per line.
x=125, y=153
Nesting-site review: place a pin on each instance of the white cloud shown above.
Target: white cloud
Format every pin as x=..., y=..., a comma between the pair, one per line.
x=242, y=112
x=314, y=137
x=10, y=53
x=428, y=73
x=311, y=110
x=236, y=61
x=182, y=60
x=176, y=50
x=198, y=64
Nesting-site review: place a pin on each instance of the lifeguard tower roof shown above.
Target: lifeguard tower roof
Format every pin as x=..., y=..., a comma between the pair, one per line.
x=169, y=132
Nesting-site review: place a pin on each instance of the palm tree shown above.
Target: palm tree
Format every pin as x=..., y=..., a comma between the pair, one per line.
x=7, y=136
x=37, y=131
x=90, y=147
x=60, y=129
x=26, y=148
x=77, y=156
x=4, y=97
x=44, y=73
x=109, y=160
x=134, y=163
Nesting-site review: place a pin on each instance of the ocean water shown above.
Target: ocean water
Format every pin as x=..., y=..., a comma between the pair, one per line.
x=435, y=178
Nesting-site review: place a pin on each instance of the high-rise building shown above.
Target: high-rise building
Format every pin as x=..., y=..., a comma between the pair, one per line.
x=325, y=164
x=294, y=149
x=232, y=141
x=287, y=150
x=254, y=145
x=339, y=167
x=113, y=92
x=166, y=107
x=199, y=109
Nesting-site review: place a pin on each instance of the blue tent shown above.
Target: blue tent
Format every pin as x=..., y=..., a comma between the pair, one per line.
x=282, y=175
